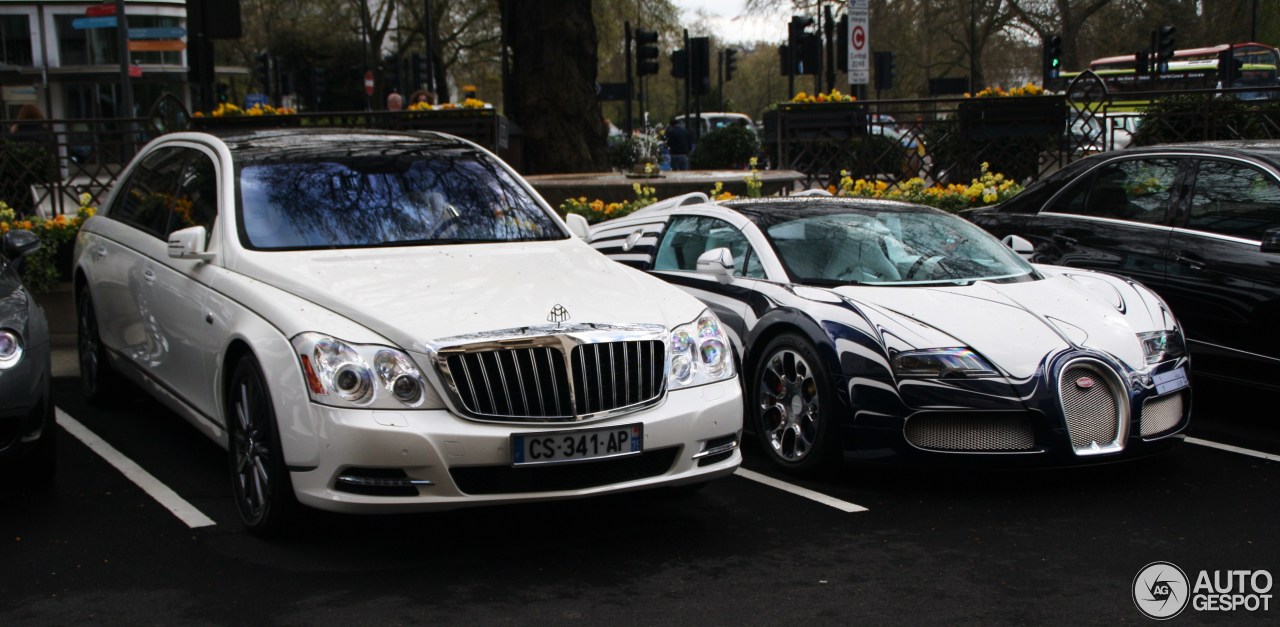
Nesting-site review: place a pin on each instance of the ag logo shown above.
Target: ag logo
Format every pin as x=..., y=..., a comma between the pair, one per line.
x=1160, y=590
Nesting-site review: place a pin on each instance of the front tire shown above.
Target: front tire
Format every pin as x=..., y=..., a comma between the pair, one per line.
x=792, y=406
x=260, y=481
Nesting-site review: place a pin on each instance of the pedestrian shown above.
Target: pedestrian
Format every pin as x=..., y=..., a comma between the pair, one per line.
x=679, y=144
x=29, y=125
x=422, y=96
x=395, y=101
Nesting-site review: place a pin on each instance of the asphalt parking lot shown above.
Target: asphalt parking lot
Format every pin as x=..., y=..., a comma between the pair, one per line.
x=865, y=545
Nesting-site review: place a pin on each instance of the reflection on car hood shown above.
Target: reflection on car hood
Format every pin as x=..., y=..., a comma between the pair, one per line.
x=1016, y=324
x=419, y=294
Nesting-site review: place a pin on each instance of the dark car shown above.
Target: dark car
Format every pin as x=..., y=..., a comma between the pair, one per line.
x=1198, y=223
x=874, y=330
x=26, y=409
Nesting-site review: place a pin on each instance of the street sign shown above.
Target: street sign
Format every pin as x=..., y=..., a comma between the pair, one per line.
x=82, y=23
x=135, y=71
x=368, y=82
x=157, y=45
x=99, y=10
x=859, y=48
x=163, y=32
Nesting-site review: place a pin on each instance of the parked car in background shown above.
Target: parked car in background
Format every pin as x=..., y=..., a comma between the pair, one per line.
x=387, y=322
x=719, y=119
x=27, y=423
x=1197, y=223
x=885, y=331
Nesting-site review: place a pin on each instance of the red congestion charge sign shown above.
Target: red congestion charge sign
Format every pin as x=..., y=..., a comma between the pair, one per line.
x=368, y=82
x=859, y=38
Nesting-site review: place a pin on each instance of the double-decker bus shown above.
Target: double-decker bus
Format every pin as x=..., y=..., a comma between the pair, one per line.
x=1192, y=68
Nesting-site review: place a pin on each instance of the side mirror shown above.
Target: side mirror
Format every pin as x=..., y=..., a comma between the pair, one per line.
x=1271, y=241
x=19, y=243
x=578, y=226
x=717, y=262
x=1020, y=245
x=189, y=243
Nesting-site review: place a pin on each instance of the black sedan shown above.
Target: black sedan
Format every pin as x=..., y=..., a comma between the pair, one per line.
x=1197, y=223
x=886, y=331
x=26, y=409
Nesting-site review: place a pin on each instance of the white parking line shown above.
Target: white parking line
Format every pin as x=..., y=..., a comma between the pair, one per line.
x=1233, y=449
x=843, y=506
x=163, y=495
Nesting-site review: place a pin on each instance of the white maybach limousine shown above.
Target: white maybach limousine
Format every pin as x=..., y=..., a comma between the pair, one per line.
x=386, y=322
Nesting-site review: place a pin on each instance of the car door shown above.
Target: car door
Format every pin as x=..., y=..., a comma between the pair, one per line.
x=1115, y=219
x=121, y=260
x=1223, y=288
x=676, y=260
x=180, y=291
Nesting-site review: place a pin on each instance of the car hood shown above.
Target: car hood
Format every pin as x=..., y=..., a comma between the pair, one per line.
x=415, y=296
x=1015, y=325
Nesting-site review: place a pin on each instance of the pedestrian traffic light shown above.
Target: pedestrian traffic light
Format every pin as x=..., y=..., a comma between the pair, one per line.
x=646, y=52
x=885, y=66
x=264, y=71
x=730, y=63
x=1164, y=44
x=679, y=64
x=223, y=95
x=1052, y=57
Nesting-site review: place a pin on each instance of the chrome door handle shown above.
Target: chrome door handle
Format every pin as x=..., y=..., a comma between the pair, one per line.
x=100, y=252
x=1194, y=264
x=149, y=275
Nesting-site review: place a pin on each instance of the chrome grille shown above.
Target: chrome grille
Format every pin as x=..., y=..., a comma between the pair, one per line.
x=1162, y=414
x=1093, y=414
x=616, y=374
x=537, y=383
x=971, y=432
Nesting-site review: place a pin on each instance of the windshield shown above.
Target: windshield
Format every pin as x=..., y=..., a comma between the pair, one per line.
x=446, y=197
x=892, y=248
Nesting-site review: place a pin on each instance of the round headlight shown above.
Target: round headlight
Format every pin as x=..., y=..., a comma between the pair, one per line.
x=681, y=343
x=681, y=367
x=406, y=389
x=10, y=348
x=352, y=382
x=712, y=352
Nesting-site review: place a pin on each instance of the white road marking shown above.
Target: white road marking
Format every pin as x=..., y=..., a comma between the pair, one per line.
x=1233, y=449
x=843, y=506
x=163, y=495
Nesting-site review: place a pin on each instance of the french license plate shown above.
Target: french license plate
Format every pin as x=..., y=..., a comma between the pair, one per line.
x=572, y=446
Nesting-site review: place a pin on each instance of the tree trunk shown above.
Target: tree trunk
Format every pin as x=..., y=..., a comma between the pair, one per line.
x=552, y=85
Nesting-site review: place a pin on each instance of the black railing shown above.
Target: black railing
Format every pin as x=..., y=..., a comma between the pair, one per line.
x=45, y=165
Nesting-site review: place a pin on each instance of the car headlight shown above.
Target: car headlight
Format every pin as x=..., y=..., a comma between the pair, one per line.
x=365, y=375
x=941, y=363
x=1160, y=346
x=700, y=353
x=10, y=349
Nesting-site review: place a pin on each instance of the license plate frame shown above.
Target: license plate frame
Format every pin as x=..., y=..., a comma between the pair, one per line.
x=577, y=445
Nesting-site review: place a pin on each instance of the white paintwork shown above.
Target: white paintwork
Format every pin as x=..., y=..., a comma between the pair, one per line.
x=174, y=319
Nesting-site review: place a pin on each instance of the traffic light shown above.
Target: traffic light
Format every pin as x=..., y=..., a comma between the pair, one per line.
x=679, y=64
x=842, y=43
x=223, y=95
x=700, y=65
x=1142, y=63
x=730, y=63
x=1229, y=68
x=1052, y=57
x=1164, y=44
x=421, y=70
x=646, y=52
x=796, y=50
x=810, y=57
x=264, y=71
x=885, y=66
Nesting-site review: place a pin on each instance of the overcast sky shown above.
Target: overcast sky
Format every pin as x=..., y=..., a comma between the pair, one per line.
x=732, y=24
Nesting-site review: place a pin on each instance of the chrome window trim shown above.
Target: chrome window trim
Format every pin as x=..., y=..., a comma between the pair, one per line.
x=1257, y=243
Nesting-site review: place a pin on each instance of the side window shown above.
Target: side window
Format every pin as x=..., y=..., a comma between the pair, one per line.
x=147, y=198
x=1234, y=199
x=196, y=203
x=1137, y=190
x=690, y=236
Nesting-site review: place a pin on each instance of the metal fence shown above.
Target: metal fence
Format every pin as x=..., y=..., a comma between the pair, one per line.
x=45, y=165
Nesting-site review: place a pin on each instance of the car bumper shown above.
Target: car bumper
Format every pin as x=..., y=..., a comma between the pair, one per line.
x=434, y=460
